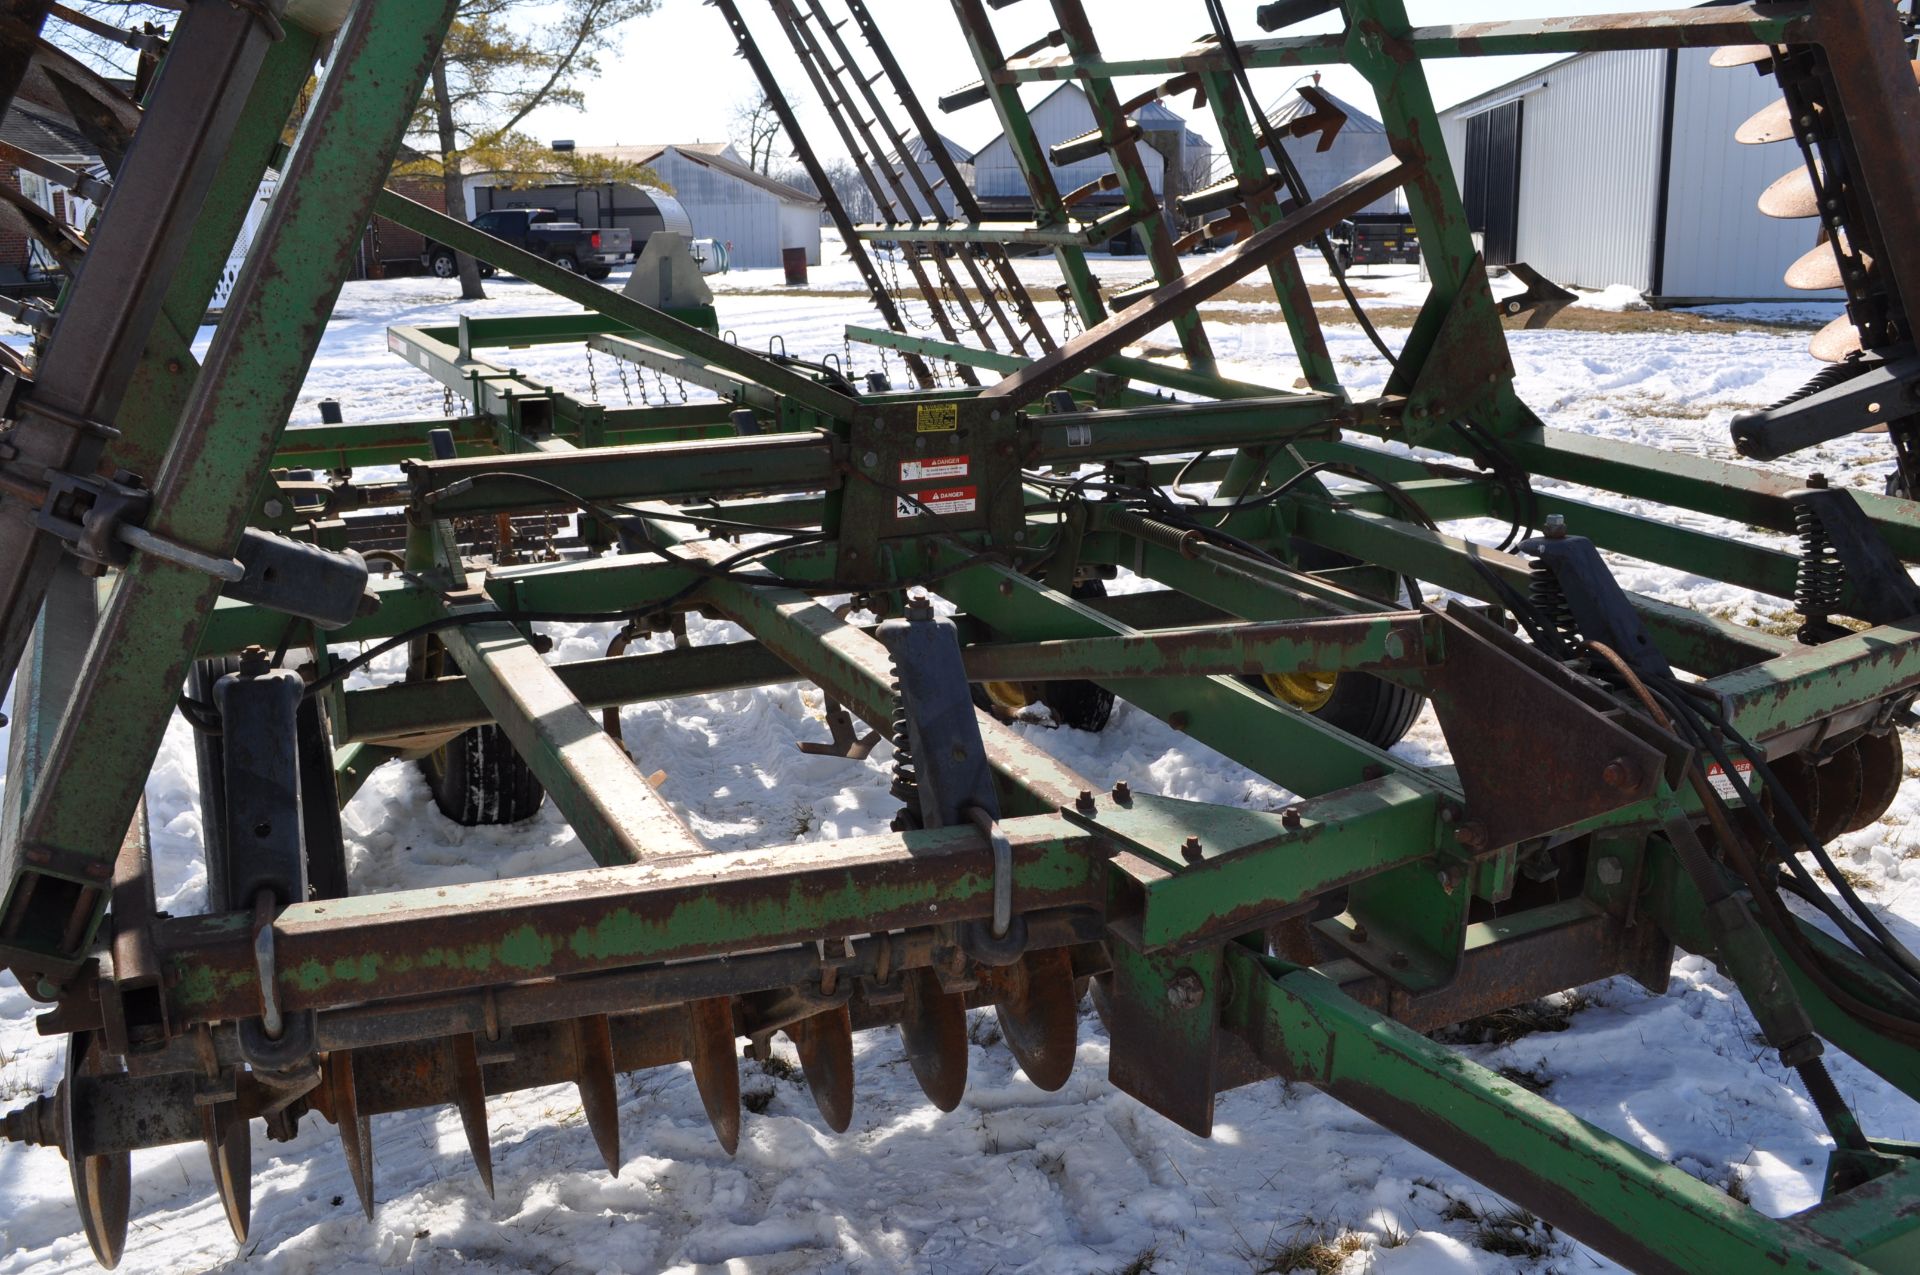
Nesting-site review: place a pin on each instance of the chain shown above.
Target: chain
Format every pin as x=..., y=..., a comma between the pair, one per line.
x=1069, y=315
x=446, y=400
x=626, y=391
x=593, y=380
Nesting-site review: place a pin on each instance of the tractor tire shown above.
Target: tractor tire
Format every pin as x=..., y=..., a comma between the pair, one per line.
x=1075, y=702
x=479, y=779
x=444, y=264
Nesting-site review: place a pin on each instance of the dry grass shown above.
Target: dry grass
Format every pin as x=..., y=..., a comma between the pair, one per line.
x=1503, y=1027
x=1314, y=1250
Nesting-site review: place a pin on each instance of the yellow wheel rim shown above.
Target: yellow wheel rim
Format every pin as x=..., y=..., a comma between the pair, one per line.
x=1008, y=696
x=1308, y=690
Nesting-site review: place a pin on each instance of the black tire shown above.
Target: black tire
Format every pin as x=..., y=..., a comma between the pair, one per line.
x=1075, y=702
x=598, y=273
x=480, y=779
x=319, y=796
x=486, y=271
x=443, y=264
x=567, y=262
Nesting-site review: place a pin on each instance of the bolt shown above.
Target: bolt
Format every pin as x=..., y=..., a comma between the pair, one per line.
x=175, y=366
x=1122, y=793
x=994, y=415
x=1609, y=871
x=1445, y=878
x=1394, y=646
x=1190, y=850
x=1449, y=813
x=1555, y=527
x=919, y=607
x=1472, y=835
x=1359, y=934
x=1619, y=773
x=1084, y=802
x=1185, y=990
x=1019, y=536
x=1817, y=481
x=1006, y=588
x=1290, y=818
x=870, y=460
x=273, y=509
x=1419, y=410
x=254, y=661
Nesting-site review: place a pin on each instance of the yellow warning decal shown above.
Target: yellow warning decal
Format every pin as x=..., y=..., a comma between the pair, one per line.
x=937, y=418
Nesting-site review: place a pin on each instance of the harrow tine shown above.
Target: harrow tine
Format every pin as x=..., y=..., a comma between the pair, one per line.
x=933, y=1027
x=230, y=1150
x=716, y=1065
x=1833, y=343
x=102, y=1184
x=825, y=1044
x=593, y=1074
x=1039, y=1015
x=1791, y=196
x=356, y=1129
x=471, y=1098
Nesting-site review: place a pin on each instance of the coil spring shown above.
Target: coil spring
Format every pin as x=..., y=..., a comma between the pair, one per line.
x=1825, y=379
x=906, y=776
x=1549, y=602
x=1820, y=578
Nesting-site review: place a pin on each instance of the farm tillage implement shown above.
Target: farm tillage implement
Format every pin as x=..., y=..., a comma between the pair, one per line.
x=1626, y=776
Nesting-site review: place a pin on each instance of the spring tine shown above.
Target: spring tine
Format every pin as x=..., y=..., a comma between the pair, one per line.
x=1791, y=196
x=593, y=1074
x=825, y=1044
x=356, y=1129
x=102, y=1184
x=230, y=1150
x=471, y=1098
x=716, y=1068
x=1038, y=1015
x=933, y=1027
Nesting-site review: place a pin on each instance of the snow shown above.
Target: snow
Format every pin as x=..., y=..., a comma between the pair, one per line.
x=1015, y=1180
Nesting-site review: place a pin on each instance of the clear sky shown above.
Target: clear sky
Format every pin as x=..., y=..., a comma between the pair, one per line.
x=675, y=79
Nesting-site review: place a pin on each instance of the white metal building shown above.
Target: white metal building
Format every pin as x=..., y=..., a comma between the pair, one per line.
x=1064, y=113
x=920, y=156
x=1359, y=145
x=1621, y=167
x=756, y=216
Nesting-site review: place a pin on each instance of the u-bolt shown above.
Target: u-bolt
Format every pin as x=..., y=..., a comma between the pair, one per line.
x=270, y=1020
x=1002, y=868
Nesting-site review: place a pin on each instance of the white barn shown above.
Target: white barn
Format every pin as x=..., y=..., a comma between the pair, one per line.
x=920, y=156
x=1064, y=113
x=729, y=201
x=1620, y=167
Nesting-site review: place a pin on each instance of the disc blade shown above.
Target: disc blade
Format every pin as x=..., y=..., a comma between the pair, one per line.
x=356, y=1130
x=102, y=1184
x=1839, y=779
x=1038, y=1017
x=1818, y=269
x=1797, y=775
x=1833, y=343
x=933, y=1027
x=470, y=1097
x=716, y=1067
x=1791, y=196
x=593, y=1076
x=1883, y=764
x=1740, y=55
x=229, y=1141
x=1771, y=123
x=825, y=1045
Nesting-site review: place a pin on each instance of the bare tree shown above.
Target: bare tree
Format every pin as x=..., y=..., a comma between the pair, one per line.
x=503, y=59
x=756, y=126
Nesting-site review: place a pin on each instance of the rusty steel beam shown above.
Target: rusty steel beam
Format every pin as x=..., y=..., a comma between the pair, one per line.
x=1180, y=297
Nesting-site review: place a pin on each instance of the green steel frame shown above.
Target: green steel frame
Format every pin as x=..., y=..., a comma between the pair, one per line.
x=1225, y=944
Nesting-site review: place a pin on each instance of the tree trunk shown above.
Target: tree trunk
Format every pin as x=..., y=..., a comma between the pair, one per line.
x=455, y=190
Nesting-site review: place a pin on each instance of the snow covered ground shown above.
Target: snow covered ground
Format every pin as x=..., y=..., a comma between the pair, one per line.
x=1015, y=1180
